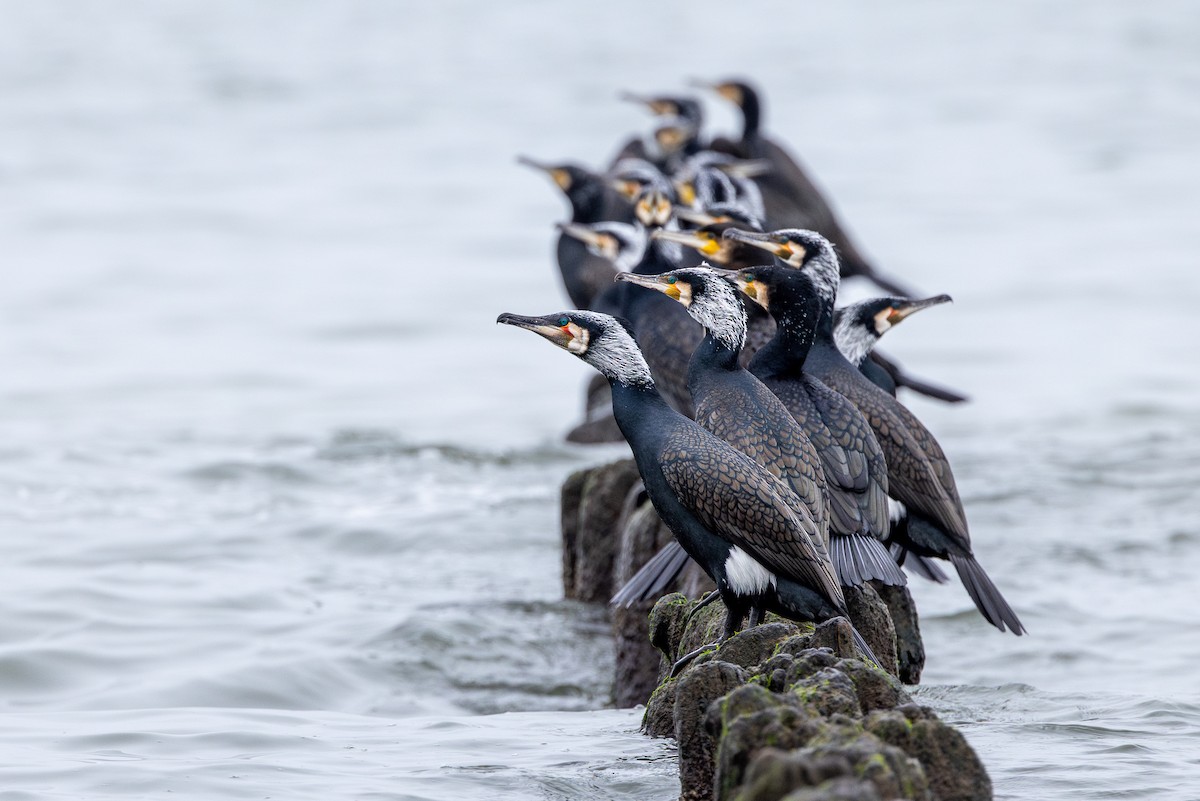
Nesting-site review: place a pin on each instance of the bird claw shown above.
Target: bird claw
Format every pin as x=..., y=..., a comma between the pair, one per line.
x=687, y=659
x=705, y=601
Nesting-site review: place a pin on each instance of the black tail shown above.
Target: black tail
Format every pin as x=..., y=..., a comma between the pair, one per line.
x=654, y=577
x=922, y=566
x=862, y=645
x=987, y=598
x=930, y=390
x=858, y=558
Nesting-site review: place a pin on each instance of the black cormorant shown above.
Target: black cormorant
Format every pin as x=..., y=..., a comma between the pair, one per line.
x=856, y=329
x=677, y=132
x=919, y=475
x=727, y=512
x=710, y=178
x=584, y=275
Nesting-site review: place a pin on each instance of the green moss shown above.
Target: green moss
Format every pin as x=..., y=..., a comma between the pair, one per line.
x=875, y=760
x=661, y=688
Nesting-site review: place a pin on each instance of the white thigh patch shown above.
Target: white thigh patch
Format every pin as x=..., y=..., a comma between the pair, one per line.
x=745, y=575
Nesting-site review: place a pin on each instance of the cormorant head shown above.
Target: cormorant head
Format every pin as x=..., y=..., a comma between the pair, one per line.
x=630, y=176
x=707, y=240
x=580, y=185
x=708, y=297
x=796, y=247
x=758, y=283
x=738, y=92
x=602, y=341
x=621, y=243
x=674, y=134
x=688, y=108
x=653, y=208
x=742, y=95
x=737, y=214
x=859, y=326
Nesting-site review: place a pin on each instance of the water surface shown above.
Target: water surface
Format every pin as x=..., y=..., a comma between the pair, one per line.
x=279, y=499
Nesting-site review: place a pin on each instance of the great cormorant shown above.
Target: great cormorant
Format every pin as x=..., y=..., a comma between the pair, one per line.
x=729, y=514
x=584, y=275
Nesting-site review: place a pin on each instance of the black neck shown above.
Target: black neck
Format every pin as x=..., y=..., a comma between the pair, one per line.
x=586, y=196
x=657, y=259
x=795, y=330
x=711, y=353
x=751, y=114
x=824, y=332
x=635, y=408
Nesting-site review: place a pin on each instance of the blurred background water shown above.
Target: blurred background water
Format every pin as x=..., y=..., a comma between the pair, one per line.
x=278, y=500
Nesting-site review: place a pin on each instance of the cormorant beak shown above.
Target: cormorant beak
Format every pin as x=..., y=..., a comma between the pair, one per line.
x=686, y=190
x=901, y=310
x=705, y=243
x=728, y=91
x=783, y=250
x=601, y=243
x=560, y=176
x=568, y=336
x=698, y=218
x=656, y=105
x=626, y=189
x=665, y=283
x=746, y=168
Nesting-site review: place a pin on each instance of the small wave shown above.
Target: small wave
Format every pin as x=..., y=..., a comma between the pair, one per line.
x=237, y=471
x=358, y=445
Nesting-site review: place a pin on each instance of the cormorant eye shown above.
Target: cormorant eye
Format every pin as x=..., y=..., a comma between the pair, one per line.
x=671, y=279
x=564, y=320
x=749, y=278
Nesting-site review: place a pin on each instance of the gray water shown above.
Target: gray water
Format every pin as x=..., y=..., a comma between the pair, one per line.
x=278, y=500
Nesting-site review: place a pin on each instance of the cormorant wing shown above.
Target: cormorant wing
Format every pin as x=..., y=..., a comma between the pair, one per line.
x=911, y=452
x=739, y=501
x=742, y=420
x=854, y=433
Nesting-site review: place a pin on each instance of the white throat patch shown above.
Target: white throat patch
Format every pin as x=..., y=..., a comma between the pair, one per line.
x=719, y=309
x=613, y=352
x=854, y=341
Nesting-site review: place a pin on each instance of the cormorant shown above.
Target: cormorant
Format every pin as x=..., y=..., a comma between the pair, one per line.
x=709, y=178
x=584, y=275
x=919, y=475
x=737, y=407
x=676, y=135
x=792, y=199
x=856, y=329
x=727, y=512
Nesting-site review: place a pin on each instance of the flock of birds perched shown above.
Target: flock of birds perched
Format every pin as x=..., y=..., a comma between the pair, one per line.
x=764, y=425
